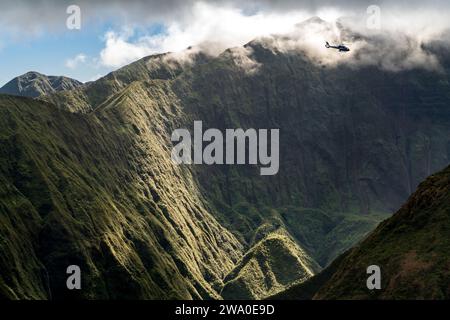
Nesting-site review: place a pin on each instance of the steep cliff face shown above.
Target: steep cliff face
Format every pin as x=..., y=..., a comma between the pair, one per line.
x=354, y=143
x=101, y=192
x=35, y=84
x=87, y=176
x=411, y=248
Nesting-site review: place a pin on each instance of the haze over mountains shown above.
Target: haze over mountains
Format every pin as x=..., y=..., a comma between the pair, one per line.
x=87, y=178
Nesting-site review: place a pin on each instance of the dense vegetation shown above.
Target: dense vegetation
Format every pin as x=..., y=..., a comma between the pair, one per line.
x=411, y=248
x=87, y=179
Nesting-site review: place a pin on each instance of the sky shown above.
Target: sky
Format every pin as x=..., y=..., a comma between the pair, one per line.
x=35, y=35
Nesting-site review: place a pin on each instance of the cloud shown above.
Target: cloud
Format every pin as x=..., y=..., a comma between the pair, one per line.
x=74, y=62
x=387, y=49
x=242, y=58
x=211, y=27
x=37, y=16
x=118, y=51
x=393, y=52
x=216, y=25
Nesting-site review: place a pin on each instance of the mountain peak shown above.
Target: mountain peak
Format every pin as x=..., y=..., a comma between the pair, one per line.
x=311, y=22
x=33, y=84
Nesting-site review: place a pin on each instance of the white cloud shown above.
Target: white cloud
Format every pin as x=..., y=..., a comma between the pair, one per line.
x=118, y=51
x=242, y=58
x=392, y=51
x=213, y=28
x=220, y=27
x=74, y=62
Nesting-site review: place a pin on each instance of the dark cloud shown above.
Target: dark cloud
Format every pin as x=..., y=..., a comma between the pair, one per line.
x=35, y=15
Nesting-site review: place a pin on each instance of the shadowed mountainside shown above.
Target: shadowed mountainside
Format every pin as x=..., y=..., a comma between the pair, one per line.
x=411, y=248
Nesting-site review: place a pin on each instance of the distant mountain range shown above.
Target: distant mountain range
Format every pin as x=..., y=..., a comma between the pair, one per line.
x=33, y=84
x=86, y=178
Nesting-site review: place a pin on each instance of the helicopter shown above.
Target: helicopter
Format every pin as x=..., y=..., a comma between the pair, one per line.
x=340, y=47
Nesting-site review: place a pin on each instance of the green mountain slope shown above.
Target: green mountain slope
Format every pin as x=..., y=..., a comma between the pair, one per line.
x=64, y=202
x=411, y=248
x=156, y=67
x=87, y=176
x=34, y=84
x=271, y=265
x=353, y=145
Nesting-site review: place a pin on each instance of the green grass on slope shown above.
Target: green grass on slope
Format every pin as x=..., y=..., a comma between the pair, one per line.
x=269, y=266
x=354, y=143
x=411, y=248
x=100, y=191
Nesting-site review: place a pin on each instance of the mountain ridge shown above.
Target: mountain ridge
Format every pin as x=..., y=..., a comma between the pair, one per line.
x=34, y=84
x=411, y=249
x=93, y=170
